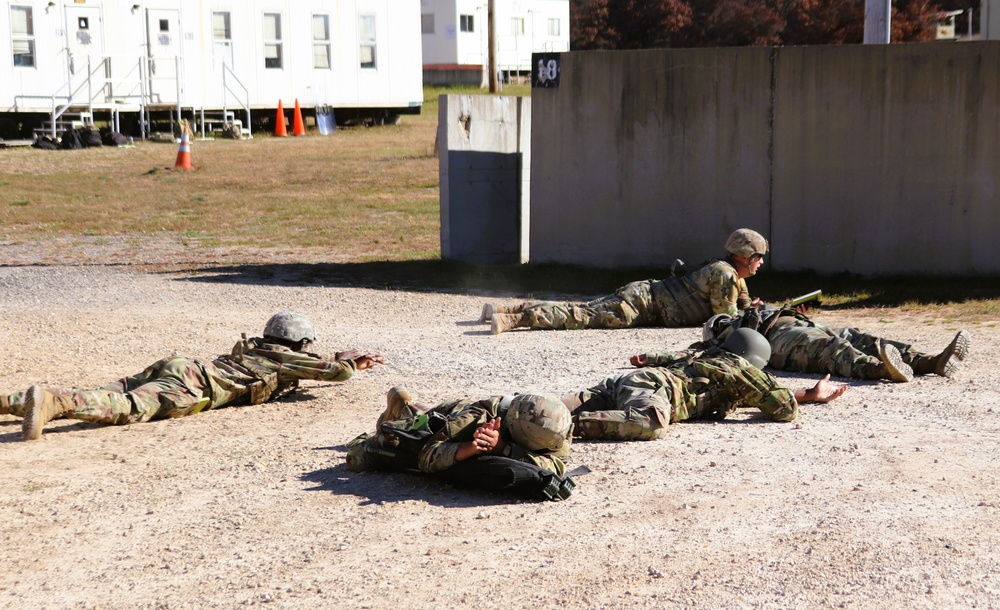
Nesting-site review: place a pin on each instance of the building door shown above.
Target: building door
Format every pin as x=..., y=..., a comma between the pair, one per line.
x=84, y=38
x=164, y=35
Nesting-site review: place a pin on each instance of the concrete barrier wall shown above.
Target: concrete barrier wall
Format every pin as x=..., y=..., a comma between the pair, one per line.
x=641, y=157
x=484, y=160
x=871, y=159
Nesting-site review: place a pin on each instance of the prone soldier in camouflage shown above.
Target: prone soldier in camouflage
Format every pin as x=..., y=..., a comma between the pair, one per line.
x=258, y=370
x=688, y=299
x=677, y=386
x=531, y=428
x=803, y=345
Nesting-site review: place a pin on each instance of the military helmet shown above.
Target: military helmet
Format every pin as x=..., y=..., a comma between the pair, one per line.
x=746, y=242
x=538, y=422
x=290, y=327
x=715, y=325
x=749, y=344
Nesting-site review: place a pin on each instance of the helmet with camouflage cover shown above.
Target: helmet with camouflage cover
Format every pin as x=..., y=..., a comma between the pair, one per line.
x=749, y=344
x=290, y=326
x=716, y=325
x=746, y=242
x=539, y=422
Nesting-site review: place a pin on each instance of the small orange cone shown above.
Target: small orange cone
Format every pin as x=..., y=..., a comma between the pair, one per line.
x=298, y=127
x=279, y=122
x=184, y=152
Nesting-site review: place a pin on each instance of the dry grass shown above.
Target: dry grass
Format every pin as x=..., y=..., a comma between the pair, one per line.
x=364, y=192
x=357, y=206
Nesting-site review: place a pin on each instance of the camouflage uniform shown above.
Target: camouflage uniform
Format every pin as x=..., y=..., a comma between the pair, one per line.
x=452, y=424
x=255, y=371
x=674, y=387
x=802, y=345
x=686, y=300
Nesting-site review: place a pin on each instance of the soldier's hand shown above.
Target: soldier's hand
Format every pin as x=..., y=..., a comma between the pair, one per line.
x=487, y=436
x=638, y=360
x=802, y=308
x=351, y=354
x=368, y=361
x=824, y=391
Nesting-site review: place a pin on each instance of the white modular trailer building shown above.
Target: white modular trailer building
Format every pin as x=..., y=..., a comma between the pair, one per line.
x=456, y=35
x=361, y=58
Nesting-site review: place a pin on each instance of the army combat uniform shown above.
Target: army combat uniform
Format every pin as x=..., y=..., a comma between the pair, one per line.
x=429, y=440
x=255, y=371
x=802, y=345
x=686, y=300
x=674, y=387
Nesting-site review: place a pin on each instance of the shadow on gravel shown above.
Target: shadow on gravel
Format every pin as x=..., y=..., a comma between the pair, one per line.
x=386, y=487
x=547, y=281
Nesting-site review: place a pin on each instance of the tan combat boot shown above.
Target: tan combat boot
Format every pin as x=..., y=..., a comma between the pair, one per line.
x=491, y=308
x=40, y=407
x=502, y=322
x=895, y=369
x=4, y=404
x=945, y=364
x=397, y=406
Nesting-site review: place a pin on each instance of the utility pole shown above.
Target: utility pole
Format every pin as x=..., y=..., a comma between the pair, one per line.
x=491, y=24
x=877, y=16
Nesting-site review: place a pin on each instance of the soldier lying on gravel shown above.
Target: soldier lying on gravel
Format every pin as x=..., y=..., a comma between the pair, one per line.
x=684, y=299
x=803, y=345
x=510, y=443
x=257, y=370
x=677, y=386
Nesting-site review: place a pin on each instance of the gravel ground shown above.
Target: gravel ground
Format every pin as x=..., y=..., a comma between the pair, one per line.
x=886, y=498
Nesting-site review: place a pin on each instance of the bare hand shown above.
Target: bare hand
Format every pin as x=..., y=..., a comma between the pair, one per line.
x=351, y=354
x=367, y=361
x=802, y=308
x=638, y=360
x=757, y=302
x=824, y=391
x=487, y=437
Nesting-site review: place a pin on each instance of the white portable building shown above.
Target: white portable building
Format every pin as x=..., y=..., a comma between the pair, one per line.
x=358, y=57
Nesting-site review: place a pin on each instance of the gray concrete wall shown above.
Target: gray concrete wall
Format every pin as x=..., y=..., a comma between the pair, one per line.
x=641, y=157
x=887, y=158
x=870, y=159
x=484, y=160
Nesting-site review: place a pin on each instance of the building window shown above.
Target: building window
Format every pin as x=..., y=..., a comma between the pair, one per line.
x=427, y=23
x=517, y=26
x=321, y=42
x=366, y=35
x=22, y=35
x=221, y=29
x=272, y=41
x=466, y=24
x=553, y=27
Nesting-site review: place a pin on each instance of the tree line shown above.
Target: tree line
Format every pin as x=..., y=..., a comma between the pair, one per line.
x=645, y=24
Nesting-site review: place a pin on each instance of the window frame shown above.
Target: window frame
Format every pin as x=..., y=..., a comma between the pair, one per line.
x=425, y=19
x=276, y=43
x=227, y=34
x=26, y=38
x=517, y=26
x=557, y=30
x=367, y=46
x=322, y=46
x=467, y=23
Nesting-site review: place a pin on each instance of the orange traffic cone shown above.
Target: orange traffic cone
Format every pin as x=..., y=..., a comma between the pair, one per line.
x=279, y=122
x=184, y=152
x=298, y=127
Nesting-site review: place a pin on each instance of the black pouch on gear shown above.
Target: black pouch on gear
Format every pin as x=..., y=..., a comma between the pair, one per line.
x=498, y=473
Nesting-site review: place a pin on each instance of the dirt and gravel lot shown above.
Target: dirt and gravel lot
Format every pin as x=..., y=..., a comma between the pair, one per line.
x=887, y=498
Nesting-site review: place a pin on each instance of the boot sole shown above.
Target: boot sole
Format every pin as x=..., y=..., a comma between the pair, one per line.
x=898, y=370
x=487, y=315
x=958, y=349
x=31, y=426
